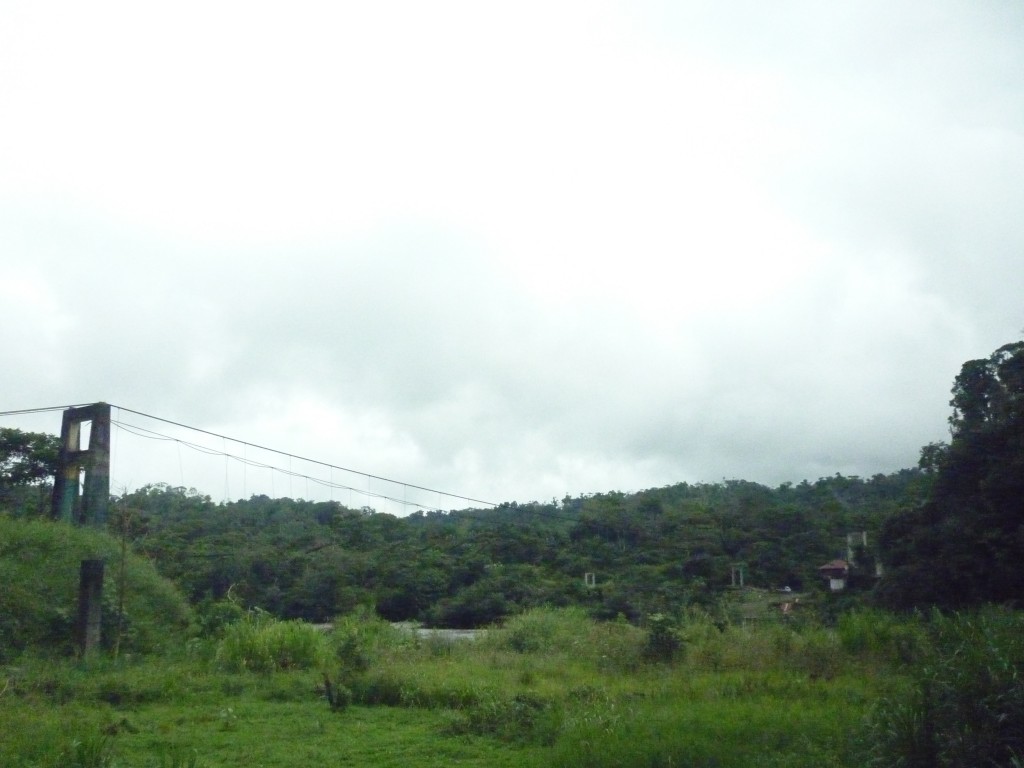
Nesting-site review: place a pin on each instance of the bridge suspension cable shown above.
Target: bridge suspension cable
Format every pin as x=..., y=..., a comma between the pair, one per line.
x=245, y=461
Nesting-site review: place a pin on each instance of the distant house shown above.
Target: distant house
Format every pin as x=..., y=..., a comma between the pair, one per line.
x=837, y=572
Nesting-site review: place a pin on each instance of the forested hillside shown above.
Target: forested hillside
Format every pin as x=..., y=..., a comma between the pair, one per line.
x=657, y=550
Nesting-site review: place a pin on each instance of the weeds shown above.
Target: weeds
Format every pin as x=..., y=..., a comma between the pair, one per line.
x=179, y=759
x=260, y=643
x=523, y=717
x=338, y=695
x=663, y=641
x=882, y=637
x=91, y=751
x=39, y=565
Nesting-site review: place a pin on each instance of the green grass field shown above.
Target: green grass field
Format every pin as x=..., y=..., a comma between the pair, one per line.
x=182, y=686
x=549, y=688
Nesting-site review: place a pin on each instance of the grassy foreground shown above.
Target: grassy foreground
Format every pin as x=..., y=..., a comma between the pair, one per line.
x=549, y=688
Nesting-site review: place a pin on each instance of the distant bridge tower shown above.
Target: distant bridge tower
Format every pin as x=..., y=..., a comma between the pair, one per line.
x=852, y=543
x=738, y=573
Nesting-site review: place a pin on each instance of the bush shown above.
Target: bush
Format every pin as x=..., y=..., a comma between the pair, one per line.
x=358, y=639
x=524, y=717
x=214, y=616
x=260, y=643
x=663, y=640
x=543, y=630
x=338, y=695
x=380, y=688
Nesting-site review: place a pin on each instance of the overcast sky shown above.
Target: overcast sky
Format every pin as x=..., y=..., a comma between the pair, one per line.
x=510, y=250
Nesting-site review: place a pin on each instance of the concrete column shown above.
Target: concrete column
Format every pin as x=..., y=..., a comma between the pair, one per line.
x=88, y=505
x=85, y=505
x=90, y=607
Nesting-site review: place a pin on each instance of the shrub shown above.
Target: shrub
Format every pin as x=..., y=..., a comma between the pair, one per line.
x=525, y=717
x=817, y=653
x=358, y=639
x=261, y=643
x=663, y=640
x=338, y=695
x=214, y=616
x=544, y=630
x=567, y=631
x=615, y=646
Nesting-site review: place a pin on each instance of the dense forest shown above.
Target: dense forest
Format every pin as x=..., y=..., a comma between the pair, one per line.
x=654, y=551
x=948, y=532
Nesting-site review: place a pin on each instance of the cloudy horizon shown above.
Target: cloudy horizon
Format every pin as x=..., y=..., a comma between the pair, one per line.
x=512, y=252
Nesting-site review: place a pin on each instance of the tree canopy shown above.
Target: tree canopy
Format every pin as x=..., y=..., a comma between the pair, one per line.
x=654, y=551
x=965, y=544
x=28, y=462
x=27, y=458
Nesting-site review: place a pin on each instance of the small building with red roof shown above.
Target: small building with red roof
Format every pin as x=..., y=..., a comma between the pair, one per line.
x=837, y=572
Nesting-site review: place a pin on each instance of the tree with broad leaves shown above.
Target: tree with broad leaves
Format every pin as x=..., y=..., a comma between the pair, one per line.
x=965, y=544
x=27, y=460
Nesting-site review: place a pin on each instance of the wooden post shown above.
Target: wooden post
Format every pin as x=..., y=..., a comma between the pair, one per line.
x=84, y=501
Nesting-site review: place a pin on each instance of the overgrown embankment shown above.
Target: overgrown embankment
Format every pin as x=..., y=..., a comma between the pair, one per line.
x=39, y=574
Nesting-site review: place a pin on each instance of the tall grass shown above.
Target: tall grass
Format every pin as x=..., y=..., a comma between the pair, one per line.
x=260, y=643
x=966, y=705
x=885, y=638
x=743, y=731
x=940, y=691
x=568, y=634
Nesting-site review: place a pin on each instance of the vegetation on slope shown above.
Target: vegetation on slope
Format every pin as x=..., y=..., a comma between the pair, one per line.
x=39, y=574
x=656, y=551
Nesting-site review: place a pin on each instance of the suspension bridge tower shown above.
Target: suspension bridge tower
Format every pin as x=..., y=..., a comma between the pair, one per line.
x=81, y=495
